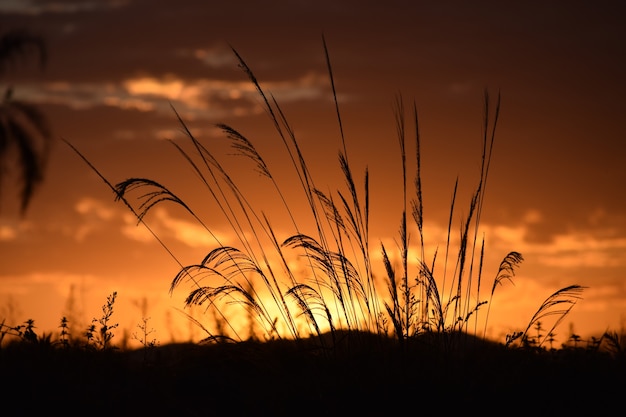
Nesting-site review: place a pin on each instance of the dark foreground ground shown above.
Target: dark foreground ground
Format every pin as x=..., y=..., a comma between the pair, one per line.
x=365, y=377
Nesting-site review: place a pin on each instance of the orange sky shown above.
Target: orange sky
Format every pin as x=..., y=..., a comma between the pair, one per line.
x=555, y=186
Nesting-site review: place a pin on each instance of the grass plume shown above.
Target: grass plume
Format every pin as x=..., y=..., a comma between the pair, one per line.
x=336, y=286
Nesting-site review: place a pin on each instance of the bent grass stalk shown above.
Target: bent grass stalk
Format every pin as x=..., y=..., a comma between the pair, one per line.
x=338, y=289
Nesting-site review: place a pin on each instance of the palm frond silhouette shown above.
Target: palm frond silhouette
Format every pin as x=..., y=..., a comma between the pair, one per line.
x=24, y=130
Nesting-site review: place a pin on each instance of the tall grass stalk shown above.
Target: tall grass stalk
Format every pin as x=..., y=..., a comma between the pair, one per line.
x=338, y=288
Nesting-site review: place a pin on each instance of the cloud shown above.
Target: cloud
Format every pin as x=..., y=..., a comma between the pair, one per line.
x=582, y=249
x=97, y=216
x=134, y=231
x=14, y=230
x=95, y=207
x=94, y=215
x=7, y=232
x=461, y=88
x=216, y=57
x=192, y=234
x=574, y=248
x=194, y=99
x=37, y=7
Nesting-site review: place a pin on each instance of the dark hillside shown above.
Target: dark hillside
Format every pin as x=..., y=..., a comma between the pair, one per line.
x=367, y=375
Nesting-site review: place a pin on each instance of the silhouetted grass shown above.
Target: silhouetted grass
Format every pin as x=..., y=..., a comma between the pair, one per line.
x=335, y=338
x=359, y=372
x=366, y=374
x=339, y=288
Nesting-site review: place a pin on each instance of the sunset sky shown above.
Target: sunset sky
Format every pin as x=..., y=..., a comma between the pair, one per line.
x=555, y=191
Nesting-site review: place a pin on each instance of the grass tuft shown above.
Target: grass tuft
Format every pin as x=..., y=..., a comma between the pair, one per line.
x=334, y=287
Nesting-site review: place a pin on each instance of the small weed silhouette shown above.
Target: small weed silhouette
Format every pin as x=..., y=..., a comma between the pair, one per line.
x=143, y=337
x=101, y=338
